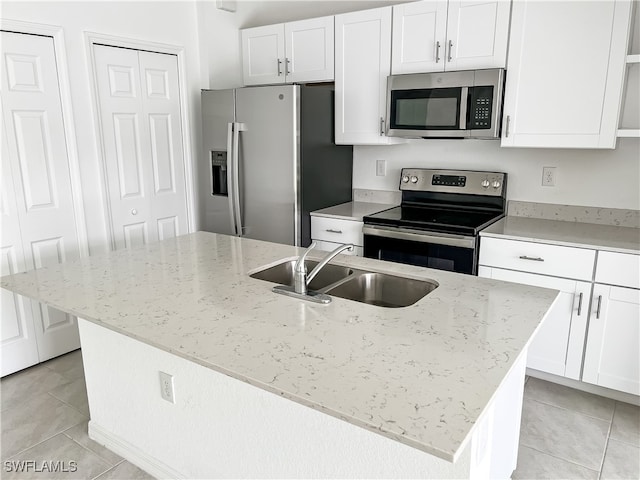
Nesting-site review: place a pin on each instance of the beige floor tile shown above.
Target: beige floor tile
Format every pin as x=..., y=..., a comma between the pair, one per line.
x=79, y=434
x=68, y=365
x=534, y=464
x=86, y=464
x=35, y=420
x=569, y=398
x=622, y=460
x=626, y=423
x=74, y=394
x=27, y=383
x=565, y=434
x=125, y=471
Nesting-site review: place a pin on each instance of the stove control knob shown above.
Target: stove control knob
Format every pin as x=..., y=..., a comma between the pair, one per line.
x=495, y=184
x=414, y=179
x=405, y=179
x=485, y=184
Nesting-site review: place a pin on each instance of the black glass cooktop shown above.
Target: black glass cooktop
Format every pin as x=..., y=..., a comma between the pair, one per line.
x=468, y=222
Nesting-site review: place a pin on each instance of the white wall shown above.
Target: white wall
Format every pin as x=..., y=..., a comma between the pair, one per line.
x=171, y=23
x=601, y=178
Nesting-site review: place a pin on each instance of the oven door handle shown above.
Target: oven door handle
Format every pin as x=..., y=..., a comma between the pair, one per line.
x=419, y=236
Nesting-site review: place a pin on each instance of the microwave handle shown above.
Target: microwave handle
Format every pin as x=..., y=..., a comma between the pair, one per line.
x=464, y=100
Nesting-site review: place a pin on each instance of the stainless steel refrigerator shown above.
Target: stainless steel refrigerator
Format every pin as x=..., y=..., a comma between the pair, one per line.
x=270, y=159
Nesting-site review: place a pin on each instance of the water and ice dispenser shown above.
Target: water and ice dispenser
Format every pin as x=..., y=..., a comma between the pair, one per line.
x=219, y=173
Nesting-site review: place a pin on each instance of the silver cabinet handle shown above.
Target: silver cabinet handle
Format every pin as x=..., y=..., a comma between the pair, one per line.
x=134, y=212
x=437, y=52
x=286, y=66
x=279, y=67
x=599, y=305
x=381, y=126
x=506, y=133
x=580, y=304
x=535, y=259
x=331, y=230
x=450, y=49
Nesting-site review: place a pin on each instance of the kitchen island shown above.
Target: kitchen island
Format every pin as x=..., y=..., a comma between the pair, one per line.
x=439, y=383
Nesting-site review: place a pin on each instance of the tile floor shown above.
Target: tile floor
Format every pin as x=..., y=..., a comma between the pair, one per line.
x=565, y=433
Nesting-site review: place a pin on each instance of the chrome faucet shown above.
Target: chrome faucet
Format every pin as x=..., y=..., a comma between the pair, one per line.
x=301, y=280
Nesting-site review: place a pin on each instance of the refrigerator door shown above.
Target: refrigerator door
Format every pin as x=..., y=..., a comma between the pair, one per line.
x=214, y=174
x=269, y=162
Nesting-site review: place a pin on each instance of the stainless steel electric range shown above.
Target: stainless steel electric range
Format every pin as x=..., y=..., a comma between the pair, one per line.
x=438, y=221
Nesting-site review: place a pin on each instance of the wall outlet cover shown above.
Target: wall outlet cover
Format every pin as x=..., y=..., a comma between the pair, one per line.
x=548, y=176
x=381, y=168
x=166, y=387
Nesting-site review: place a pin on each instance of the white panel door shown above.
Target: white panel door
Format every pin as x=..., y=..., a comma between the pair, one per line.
x=477, y=34
x=18, y=338
x=140, y=117
x=613, y=342
x=419, y=37
x=37, y=153
x=161, y=115
x=309, y=50
x=263, y=55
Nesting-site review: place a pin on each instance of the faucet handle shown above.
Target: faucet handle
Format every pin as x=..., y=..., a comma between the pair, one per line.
x=300, y=266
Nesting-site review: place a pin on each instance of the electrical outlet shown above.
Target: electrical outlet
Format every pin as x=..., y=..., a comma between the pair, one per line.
x=548, y=176
x=381, y=168
x=166, y=387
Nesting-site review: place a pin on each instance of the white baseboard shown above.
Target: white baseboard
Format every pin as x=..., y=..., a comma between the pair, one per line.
x=131, y=453
x=586, y=387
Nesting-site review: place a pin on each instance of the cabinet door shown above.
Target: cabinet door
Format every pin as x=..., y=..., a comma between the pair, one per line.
x=566, y=65
x=309, y=50
x=558, y=344
x=477, y=34
x=363, y=62
x=263, y=55
x=419, y=37
x=613, y=342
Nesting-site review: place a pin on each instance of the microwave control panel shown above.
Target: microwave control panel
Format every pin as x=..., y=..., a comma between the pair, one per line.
x=481, y=107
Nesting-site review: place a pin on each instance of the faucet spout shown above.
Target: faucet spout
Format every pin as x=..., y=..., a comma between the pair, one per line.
x=326, y=260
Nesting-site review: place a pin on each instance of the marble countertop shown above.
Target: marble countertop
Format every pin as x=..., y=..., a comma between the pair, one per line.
x=422, y=375
x=572, y=234
x=352, y=210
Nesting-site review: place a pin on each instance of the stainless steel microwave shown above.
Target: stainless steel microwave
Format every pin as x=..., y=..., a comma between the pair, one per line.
x=465, y=104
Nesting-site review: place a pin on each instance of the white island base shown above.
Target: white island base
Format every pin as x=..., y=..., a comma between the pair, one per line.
x=222, y=427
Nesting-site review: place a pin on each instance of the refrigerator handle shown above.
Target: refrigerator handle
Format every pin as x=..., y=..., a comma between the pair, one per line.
x=235, y=159
x=230, y=177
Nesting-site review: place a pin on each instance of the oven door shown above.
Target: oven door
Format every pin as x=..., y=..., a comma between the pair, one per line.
x=455, y=253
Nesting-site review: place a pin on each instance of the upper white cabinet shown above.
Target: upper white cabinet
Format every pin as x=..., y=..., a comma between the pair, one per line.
x=441, y=35
x=565, y=73
x=363, y=63
x=288, y=52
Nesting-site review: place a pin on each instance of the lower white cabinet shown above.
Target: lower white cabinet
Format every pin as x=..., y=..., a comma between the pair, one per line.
x=557, y=347
x=613, y=343
x=592, y=333
x=330, y=233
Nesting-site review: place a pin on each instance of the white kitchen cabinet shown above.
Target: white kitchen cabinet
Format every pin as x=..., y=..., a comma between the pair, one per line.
x=442, y=35
x=565, y=77
x=291, y=52
x=330, y=233
x=363, y=63
x=613, y=340
x=558, y=345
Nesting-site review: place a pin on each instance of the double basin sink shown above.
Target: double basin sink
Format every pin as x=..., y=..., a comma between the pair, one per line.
x=373, y=288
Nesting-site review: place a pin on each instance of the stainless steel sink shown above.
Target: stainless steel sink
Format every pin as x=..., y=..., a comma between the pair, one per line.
x=382, y=290
x=283, y=274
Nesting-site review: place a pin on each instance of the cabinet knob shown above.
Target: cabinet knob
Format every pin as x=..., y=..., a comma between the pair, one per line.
x=134, y=212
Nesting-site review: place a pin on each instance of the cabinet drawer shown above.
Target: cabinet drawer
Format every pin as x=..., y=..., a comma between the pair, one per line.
x=540, y=258
x=618, y=269
x=336, y=230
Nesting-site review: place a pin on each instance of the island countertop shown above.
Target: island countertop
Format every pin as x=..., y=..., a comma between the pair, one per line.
x=422, y=375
